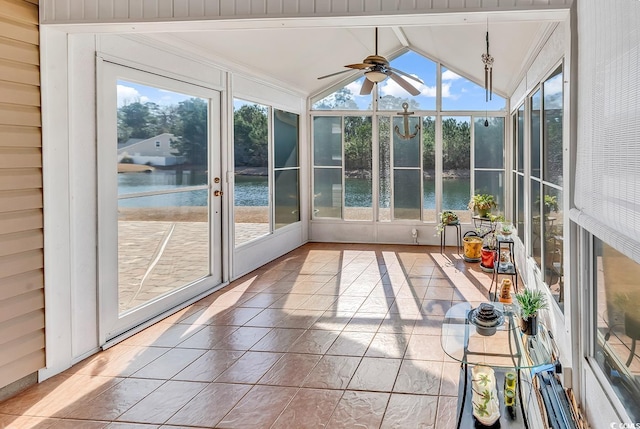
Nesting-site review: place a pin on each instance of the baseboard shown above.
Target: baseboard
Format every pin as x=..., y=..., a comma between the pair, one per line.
x=18, y=386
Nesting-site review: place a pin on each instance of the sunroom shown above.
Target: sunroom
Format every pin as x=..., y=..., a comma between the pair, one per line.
x=186, y=144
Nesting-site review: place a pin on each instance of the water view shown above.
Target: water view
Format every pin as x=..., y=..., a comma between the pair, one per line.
x=253, y=190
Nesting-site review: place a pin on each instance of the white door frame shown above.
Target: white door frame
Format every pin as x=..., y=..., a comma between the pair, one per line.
x=111, y=324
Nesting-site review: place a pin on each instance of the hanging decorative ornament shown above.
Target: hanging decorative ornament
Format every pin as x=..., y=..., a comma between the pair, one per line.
x=487, y=59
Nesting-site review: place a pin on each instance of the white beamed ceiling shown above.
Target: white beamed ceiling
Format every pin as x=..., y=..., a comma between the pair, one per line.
x=296, y=57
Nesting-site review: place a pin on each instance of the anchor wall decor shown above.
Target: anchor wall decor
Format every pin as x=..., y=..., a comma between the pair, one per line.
x=407, y=134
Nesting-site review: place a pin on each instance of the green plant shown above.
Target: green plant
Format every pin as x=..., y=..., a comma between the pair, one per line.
x=551, y=203
x=447, y=217
x=530, y=302
x=482, y=203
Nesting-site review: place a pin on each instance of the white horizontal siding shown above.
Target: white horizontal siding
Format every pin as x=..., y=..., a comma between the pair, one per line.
x=64, y=11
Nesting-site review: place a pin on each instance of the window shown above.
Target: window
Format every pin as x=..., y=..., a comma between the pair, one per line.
x=347, y=145
x=345, y=98
x=459, y=93
x=489, y=158
x=617, y=326
x=256, y=207
x=391, y=95
x=157, y=144
x=546, y=180
x=456, y=164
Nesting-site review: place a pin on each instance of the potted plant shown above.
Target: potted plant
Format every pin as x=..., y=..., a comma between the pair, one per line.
x=447, y=217
x=505, y=229
x=530, y=302
x=482, y=204
x=472, y=246
x=488, y=252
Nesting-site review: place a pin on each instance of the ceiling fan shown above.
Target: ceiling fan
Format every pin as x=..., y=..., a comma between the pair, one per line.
x=376, y=69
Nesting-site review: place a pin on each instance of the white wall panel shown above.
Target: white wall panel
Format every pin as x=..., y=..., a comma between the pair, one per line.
x=139, y=54
x=60, y=11
x=254, y=90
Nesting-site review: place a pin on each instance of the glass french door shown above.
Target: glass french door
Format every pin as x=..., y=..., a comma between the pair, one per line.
x=159, y=196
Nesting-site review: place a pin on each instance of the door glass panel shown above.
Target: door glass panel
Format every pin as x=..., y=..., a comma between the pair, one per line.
x=406, y=194
x=251, y=178
x=520, y=142
x=358, y=196
x=286, y=169
x=407, y=197
x=327, y=141
x=553, y=128
x=287, y=203
x=327, y=192
x=553, y=242
x=489, y=143
x=536, y=223
x=406, y=142
x=384, y=169
x=456, y=165
x=536, y=106
x=163, y=199
x=520, y=209
x=429, y=169
x=491, y=182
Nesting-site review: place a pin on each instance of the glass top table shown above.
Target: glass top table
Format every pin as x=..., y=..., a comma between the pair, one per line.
x=508, y=347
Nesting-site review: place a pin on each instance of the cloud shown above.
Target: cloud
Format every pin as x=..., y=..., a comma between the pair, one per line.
x=354, y=87
x=449, y=75
x=446, y=91
x=128, y=95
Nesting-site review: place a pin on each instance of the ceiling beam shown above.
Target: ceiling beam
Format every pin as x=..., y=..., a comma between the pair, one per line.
x=401, y=36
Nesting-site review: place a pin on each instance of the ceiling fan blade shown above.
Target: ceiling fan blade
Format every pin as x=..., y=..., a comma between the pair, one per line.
x=334, y=74
x=403, y=83
x=408, y=75
x=358, y=66
x=367, y=86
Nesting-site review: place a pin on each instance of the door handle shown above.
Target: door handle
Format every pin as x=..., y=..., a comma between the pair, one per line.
x=217, y=193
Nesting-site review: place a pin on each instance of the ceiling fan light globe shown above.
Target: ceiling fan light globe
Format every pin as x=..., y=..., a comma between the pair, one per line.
x=375, y=76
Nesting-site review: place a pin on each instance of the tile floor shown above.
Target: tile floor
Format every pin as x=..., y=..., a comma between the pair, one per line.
x=329, y=335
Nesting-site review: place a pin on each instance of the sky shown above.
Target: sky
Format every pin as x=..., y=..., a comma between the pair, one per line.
x=129, y=92
x=458, y=93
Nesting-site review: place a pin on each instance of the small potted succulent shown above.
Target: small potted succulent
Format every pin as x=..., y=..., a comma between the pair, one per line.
x=482, y=204
x=530, y=302
x=447, y=217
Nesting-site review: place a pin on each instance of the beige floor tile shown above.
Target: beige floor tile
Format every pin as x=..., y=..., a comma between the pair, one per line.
x=375, y=374
x=268, y=317
x=209, y=366
x=207, y=337
x=301, y=319
x=332, y=372
x=447, y=416
x=410, y=411
x=250, y=367
x=278, y=340
x=120, y=425
x=310, y=408
x=388, y=345
x=419, y=377
x=163, y=335
x=242, y=338
x=169, y=364
x=77, y=424
x=450, y=379
x=314, y=342
x=164, y=402
x=120, y=361
x=359, y=410
x=351, y=343
x=210, y=405
x=425, y=347
x=259, y=408
x=291, y=370
x=235, y=316
x=262, y=300
x=115, y=401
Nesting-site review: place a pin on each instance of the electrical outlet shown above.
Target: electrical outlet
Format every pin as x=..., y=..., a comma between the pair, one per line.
x=414, y=233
